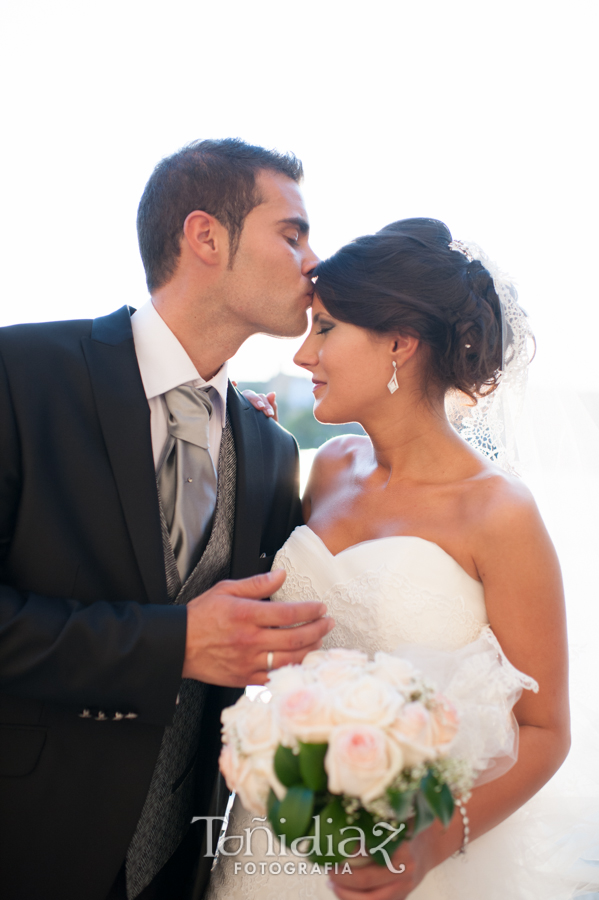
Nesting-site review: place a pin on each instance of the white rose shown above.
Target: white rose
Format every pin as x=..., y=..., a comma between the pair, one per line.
x=343, y=654
x=368, y=700
x=288, y=678
x=230, y=763
x=338, y=672
x=361, y=761
x=413, y=730
x=304, y=714
x=257, y=728
x=397, y=672
x=254, y=780
x=229, y=718
x=313, y=659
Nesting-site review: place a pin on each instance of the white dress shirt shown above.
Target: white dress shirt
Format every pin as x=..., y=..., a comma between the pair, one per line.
x=165, y=365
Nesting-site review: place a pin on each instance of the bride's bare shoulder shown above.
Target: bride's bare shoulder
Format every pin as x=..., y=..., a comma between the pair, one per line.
x=333, y=460
x=341, y=451
x=502, y=505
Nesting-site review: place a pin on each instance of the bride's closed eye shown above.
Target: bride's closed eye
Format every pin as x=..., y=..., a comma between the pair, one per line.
x=324, y=324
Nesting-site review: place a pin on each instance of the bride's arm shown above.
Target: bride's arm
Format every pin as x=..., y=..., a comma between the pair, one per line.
x=518, y=566
x=524, y=597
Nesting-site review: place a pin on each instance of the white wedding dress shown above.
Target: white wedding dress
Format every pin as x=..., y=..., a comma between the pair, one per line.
x=382, y=593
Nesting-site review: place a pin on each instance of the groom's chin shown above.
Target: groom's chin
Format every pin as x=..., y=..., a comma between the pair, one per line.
x=290, y=329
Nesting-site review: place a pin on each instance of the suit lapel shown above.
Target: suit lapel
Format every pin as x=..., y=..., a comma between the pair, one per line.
x=249, y=498
x=125, y=421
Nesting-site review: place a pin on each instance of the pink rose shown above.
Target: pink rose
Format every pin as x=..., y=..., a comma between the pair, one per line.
x=361, y=761
x=304, y=714
x=413, y=730
x=444, y=720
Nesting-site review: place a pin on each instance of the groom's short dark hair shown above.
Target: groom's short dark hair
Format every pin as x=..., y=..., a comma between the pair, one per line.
x=218, y=177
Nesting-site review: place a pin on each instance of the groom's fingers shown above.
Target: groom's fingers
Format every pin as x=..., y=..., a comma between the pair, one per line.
x=257, y=587
x=230, y=632
x=272, y=615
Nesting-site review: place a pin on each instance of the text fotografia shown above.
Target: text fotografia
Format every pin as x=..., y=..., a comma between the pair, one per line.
x=291, y=868
x=352, y=846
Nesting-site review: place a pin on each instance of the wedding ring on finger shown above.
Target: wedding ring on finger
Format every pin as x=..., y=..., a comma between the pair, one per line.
x=269, y=660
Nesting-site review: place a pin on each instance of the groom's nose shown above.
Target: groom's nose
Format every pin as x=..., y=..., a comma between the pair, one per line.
x=310, y=261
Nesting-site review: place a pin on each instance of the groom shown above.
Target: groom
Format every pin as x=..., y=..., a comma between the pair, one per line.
x=133, y=480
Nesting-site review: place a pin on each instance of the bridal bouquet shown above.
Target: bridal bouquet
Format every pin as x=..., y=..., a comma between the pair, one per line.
x=347, y=756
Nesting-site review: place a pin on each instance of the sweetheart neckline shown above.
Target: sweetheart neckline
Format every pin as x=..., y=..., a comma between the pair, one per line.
x=391, y=537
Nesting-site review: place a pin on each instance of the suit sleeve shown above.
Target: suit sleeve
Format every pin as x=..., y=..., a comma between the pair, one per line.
x=295, y=505
x=283, y=510
x=122, y=657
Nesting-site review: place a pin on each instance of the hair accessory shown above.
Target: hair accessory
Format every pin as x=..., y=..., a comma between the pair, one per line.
x=393, y=385
x=490, y=426
x=461, y=247
x=466, y=823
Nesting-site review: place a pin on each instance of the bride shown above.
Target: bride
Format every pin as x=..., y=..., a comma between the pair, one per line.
x=413, y=535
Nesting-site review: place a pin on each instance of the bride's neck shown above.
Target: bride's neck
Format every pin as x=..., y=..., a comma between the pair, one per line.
x=417, y=442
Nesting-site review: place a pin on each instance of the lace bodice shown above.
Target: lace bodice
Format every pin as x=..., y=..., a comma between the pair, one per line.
x=381, y=593
x=384, y=592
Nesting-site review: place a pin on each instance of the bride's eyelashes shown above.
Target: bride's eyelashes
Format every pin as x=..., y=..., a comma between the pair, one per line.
x=323, y=325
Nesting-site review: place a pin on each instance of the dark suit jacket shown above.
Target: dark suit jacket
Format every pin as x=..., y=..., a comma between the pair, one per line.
x=84, y=621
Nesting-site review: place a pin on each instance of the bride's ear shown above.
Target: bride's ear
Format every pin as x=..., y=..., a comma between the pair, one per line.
x=403, y=348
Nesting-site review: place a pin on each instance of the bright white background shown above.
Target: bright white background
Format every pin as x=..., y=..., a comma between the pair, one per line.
x=480, y=113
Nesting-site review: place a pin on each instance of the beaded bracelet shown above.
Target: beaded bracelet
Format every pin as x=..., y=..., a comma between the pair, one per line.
x=466, y=822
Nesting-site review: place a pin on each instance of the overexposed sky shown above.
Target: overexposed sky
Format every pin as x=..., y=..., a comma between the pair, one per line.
x=480, y=113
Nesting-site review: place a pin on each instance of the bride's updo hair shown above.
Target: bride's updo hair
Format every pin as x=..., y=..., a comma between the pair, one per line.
x=405, y=279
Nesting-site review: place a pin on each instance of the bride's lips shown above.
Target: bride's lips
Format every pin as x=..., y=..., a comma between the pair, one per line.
x=317, y=384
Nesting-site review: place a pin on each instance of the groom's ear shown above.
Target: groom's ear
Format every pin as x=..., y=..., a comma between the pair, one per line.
x=206, y=238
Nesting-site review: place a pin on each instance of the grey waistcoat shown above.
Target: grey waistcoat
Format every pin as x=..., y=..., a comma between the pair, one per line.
x=167, y=812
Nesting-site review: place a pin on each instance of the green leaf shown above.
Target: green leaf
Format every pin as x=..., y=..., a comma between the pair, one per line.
x=272, y=807
x=272, y=799
x=311, y=766
x=287, y=767
x=294, y=813
x=438, y=797
x=424, y=814
x=357, y=836
x=402, y=803
x=328, y=824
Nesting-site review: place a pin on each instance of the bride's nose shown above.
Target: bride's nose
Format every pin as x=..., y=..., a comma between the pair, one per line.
x=306, y=356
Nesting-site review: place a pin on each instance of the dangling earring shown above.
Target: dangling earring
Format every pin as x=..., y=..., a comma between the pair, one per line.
x=393, y=385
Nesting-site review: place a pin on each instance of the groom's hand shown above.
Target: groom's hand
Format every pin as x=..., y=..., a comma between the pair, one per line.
x=230, y=634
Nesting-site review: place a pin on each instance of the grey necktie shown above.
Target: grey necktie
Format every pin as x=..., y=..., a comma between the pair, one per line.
x=187, y=478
